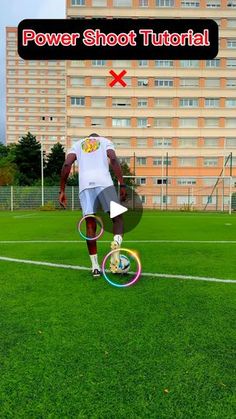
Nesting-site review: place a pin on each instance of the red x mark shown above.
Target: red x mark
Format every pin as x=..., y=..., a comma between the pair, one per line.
x=117, y=78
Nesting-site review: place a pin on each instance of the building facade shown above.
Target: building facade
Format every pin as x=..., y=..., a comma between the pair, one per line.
x=35, y=97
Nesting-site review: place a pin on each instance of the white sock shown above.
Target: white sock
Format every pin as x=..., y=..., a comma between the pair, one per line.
x=118, y=238
x=94, y=260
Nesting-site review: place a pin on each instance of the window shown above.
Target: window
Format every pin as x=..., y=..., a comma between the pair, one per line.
x=156, y=199
x=163, y=102
x=99, y=3
x=209, y=181
x=52, y=100
x=231, y=83
x=124, y=160
x=143, y=63
x=77, y=2
x=186, y=200
x=98, y=81
x=141, y=161
x=11, y=35
x=231, y=43
x=77, y=101
x=213, y=4
x=186, y=181
x=121, y=122
x=141, y=181
x=210, y=161
x=142, y=103
x=188, y=122
x=231, y=23
x=98, y=102
x=187, y=161
x=211, y=142
x=190, y=4
x=212, y=102
x=163, y=122
x=230, y=142
x=77, y=63
x=212, y=82
x=162, y=142
x=143, y=3
x=76, y=122
x=77, y=81
x=189, y=103
x=164, y=83
x=98, y=122
x=189, y=82
x=141, y=142
x=122, y=3
x=230, y=122
x=142, y=82
x=119, y=102
x=161, y=161
x=98, y=63
x=189, y=63
x=121, y=142
x=209, y=200
x=231, y=62
x=121, y=63
x=164, y=63
x=165, y=3
x=141, y=122
x=230, y=103
x=143, y=199
x=231, y=3
x=188, y=142
x=213, y=63
x=211, y=122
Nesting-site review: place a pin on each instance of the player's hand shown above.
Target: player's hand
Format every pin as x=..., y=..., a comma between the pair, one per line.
x=62, y=199
x=123, y=193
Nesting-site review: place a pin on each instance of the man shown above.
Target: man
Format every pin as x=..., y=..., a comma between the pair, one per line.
x=95, y=183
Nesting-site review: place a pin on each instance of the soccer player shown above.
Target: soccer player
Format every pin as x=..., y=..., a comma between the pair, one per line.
x=94, y=154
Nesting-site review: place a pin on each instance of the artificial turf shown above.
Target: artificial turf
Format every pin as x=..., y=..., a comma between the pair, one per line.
x=74, y=347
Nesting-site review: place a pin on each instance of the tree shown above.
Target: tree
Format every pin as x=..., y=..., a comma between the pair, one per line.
x=7, y=167
x=27, y=157
x=54, y=163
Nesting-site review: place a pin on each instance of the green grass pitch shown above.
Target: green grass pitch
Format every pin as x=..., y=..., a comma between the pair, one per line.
x=75, y=347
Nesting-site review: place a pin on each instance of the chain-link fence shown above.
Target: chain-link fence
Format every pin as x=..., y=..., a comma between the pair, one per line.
x=30, y=197
x=160, y=193
x=184, y=193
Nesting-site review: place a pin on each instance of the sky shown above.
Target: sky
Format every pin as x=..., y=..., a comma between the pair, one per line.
x=11, y=13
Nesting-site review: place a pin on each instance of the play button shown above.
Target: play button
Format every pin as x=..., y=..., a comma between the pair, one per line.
x=108, y=206
x=116, y=209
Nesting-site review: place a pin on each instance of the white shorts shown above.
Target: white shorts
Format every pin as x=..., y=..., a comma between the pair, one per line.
x=92, y=198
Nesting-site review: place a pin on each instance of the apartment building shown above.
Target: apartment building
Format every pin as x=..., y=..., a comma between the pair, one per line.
x=35, y=97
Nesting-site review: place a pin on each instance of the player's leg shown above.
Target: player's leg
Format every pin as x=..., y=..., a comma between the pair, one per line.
x=88, y=204
x=91, y=226
x=108, y=195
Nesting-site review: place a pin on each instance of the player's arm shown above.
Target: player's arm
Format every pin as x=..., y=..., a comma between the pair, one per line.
x=66, y=168
x=114, y=163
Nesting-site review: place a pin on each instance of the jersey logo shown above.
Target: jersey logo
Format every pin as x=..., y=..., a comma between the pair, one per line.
x=89, y=145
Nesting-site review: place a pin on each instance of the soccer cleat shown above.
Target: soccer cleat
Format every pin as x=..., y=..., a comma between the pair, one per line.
x=115, y=257
x=96, y=273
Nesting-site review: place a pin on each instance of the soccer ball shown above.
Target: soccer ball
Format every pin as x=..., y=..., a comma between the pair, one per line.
x=124, y=265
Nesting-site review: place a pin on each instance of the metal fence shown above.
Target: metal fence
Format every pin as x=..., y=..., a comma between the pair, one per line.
x=30, y=197
x=162, y=193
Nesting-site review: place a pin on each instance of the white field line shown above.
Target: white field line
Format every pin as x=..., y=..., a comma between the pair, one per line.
x=126, y=241
x=83, y=268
